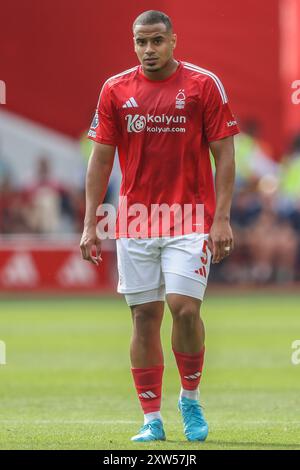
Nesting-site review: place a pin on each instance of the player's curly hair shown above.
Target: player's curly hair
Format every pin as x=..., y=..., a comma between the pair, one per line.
x=153, y=17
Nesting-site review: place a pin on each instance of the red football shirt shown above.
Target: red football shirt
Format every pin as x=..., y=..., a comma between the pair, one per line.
x=162, y=130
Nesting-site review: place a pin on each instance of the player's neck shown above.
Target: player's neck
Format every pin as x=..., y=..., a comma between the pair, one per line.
x=164, y=73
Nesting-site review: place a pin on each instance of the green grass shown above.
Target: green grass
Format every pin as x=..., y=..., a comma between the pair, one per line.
x=67, y=382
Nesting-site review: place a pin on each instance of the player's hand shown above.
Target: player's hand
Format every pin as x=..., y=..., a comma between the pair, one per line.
x=220, y=241
x=88, y=241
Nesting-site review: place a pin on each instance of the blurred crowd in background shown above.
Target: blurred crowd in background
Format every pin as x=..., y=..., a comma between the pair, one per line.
x=45, y=207
x=265, y=211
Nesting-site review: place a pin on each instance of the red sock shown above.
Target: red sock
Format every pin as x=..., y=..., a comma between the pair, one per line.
x=190, y=368
x=148, y=384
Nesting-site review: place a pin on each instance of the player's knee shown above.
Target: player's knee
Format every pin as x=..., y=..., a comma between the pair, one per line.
x=146, y=328
x=144, y=319
x=186, y=315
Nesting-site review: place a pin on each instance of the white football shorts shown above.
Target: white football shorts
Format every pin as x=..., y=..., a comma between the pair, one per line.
x=149, y=268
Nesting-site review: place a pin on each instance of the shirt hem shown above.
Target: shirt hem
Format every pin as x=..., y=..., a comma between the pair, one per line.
x=126, y=235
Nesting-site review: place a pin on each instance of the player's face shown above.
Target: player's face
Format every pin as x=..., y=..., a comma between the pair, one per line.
x=154, y=46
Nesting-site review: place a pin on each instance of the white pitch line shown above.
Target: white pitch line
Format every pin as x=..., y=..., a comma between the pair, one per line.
x=89, y=421
x=50, y=421
x=255, y=423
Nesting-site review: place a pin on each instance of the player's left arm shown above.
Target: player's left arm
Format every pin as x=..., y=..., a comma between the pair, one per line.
x=221, y=237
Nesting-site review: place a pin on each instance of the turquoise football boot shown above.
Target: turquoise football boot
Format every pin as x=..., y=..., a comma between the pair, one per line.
x=153, y=431
x=195, y=426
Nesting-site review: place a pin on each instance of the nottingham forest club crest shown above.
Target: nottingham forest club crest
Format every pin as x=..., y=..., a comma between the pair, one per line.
x=180, y=100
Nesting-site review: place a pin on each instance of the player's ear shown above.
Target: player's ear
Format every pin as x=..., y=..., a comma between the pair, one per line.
x=174, y=40
x=134, y=44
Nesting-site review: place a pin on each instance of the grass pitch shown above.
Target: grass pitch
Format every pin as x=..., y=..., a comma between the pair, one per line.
x=67, y=381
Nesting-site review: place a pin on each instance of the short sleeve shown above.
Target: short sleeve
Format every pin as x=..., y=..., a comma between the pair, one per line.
x=219, y=122
x=104, y=128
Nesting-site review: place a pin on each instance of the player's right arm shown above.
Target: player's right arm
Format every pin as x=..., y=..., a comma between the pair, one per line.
x=97, y=177
x=104, y=132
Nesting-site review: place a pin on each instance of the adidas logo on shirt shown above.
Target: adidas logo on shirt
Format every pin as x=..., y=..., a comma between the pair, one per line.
x=131, y=103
